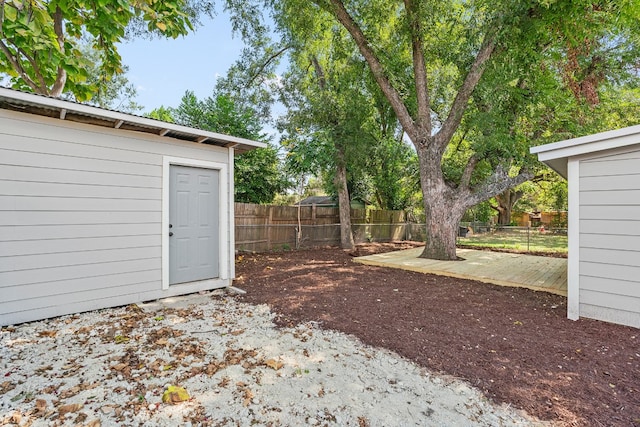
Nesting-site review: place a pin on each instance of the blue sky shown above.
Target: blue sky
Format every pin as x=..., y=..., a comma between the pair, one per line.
x=163, y=69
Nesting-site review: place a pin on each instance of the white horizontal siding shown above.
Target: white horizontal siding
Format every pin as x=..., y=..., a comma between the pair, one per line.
x=614, y=315
x=612, y=256
x=65, y=245
x=53, y=174
x=611, y=286
x=22, y=188
x=73, y=258
x=610, y=241
x=81, y=215
x=37, y=218
x=610, y=197
x=610, y=237
x=78, y=204
x=87, y=164
x=615, y=213
x=45, y=233
x=68, y=272
x=611, y=182
x=607, y=226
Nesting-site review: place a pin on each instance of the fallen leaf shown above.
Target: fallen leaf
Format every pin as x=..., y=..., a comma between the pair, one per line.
x=119, y=366
x=248, y=396
x=41, y=406
x=49, y=334
x=175, y=394
x=15, y=418
x=93, y=423
x=162, y=341
x=6, y=386
x=120, y=339
x=238, y=332
x=65, y=409
x=274, y=364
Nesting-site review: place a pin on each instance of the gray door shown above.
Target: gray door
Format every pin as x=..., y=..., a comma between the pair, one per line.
x=193, y=219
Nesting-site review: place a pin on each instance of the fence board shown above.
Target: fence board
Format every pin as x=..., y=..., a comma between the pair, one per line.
x=262, y=228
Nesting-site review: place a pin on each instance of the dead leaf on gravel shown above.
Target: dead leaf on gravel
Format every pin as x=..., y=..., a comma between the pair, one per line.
x=107, y=409
x=49, y=334
x=248, y=397
x=41, y=406
x=64, y=394
x=162, y=341
x=66, y=409
x=119, y=367
x=274, y=364
x=15, y=418
x=93, y=423
x=237, y=332
x=6, y=386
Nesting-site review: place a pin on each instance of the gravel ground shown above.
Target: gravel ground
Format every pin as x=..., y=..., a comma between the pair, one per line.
x=113, y=367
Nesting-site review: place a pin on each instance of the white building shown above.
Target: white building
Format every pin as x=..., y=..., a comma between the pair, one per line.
x=100, y=208
x=603, y=171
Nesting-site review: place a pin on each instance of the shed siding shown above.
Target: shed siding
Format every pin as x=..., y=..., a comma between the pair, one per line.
x=81, y=215
x=610, y=237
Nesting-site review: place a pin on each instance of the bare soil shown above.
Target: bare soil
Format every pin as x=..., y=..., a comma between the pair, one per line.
x=516, y=345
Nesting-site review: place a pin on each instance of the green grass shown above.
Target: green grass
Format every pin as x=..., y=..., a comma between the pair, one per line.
x=538, y=242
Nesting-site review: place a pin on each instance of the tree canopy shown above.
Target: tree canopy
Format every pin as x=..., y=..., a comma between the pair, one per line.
x=257, y=174
x=473, y=84
x=40, y=41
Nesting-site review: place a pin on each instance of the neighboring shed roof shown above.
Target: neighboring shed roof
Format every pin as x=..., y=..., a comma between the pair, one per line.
x=72, y=111
x=555, y=155
x=318, y=200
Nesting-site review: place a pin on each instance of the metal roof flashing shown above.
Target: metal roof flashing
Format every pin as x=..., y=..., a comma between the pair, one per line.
x=11, y=99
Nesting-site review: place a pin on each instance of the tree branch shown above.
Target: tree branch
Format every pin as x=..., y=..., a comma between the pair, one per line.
x=466, y=90
x=468, y=171
x=322, y=81
x=419, y=67
x=61, y=77
x=265, y=64
x=337, y=9
x=496, y=184
x=36, y=69
x=15, y=63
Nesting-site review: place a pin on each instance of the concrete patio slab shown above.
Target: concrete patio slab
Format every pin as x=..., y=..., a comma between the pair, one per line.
x=506, y=269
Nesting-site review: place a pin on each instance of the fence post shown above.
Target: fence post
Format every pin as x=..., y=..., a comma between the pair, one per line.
x=269, y=222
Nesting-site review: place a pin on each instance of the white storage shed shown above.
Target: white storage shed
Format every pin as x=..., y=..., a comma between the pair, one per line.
x=603, y=171
x=100, y=208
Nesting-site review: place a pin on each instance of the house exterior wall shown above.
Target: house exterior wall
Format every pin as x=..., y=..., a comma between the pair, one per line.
x=609, y=236
x=81, y=216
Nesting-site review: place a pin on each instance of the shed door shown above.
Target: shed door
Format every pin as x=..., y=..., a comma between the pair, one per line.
x=193, y=219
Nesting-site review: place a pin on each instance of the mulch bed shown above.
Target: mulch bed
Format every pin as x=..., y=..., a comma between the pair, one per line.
x=514, y=344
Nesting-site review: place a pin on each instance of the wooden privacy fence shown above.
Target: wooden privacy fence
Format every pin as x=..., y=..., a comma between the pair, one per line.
x=262, y=228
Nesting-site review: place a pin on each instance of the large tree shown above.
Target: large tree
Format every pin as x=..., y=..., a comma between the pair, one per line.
x=40, y=41
x=431, y=58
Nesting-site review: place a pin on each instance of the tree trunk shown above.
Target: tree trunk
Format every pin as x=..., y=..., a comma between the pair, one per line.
x=443, y=211
x=346, y=237
x=506, y=201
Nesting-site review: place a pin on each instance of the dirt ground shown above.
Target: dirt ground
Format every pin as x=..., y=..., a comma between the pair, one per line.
x=516, y=345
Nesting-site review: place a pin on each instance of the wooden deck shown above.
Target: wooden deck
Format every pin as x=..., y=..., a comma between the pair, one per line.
x=506, y=269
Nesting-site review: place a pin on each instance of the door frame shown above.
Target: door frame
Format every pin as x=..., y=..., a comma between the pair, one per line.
x=223, y=214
